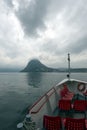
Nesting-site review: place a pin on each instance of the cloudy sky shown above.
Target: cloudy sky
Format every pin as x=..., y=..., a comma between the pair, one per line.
x=43, y=29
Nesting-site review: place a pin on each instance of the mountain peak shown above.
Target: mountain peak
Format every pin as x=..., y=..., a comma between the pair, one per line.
x=35, y=66
x=34, y=61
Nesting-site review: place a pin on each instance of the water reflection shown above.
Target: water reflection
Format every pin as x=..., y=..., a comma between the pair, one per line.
x=34, y=78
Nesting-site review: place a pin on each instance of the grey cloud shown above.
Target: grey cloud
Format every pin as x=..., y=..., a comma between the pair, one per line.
x=9, y=3
x=58, y=5
x=8, y=46
x=51, y=47
x=77, y=13
x=78, y=46
x=32, y=16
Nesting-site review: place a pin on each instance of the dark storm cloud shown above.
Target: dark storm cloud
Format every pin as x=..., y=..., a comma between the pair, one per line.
x=32, y=16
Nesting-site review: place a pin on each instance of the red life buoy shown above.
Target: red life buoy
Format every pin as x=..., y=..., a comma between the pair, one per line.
x=81, y=87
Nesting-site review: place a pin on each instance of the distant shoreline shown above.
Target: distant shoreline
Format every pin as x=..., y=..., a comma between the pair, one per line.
x=61, y=71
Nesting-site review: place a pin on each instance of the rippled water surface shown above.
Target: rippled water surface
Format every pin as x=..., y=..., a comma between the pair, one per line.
x=18, y=91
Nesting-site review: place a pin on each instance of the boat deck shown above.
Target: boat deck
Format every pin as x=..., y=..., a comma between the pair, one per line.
x=67, y=101
x=67, y=112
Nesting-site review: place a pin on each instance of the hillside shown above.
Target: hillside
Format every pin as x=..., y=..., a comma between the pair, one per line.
x=36, y=66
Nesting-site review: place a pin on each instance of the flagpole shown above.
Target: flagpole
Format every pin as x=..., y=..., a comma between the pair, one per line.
x=69, y=65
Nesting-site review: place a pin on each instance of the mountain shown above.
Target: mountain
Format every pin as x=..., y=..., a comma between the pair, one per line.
x=36, y=66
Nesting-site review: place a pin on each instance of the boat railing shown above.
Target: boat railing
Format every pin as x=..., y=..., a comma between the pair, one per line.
x=41, y=102
x=45, y=105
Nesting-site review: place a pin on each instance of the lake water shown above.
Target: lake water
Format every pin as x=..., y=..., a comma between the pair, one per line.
x=18, y=91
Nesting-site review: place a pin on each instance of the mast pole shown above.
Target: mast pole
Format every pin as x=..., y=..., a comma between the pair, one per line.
x=68, y=65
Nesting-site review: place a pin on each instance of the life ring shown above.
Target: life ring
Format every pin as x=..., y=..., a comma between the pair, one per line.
x=81, y=87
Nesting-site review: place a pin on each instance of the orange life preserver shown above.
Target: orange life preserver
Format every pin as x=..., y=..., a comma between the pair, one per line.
x=81, y=87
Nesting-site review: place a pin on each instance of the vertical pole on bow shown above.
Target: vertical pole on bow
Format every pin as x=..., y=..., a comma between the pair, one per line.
x=68, y=66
